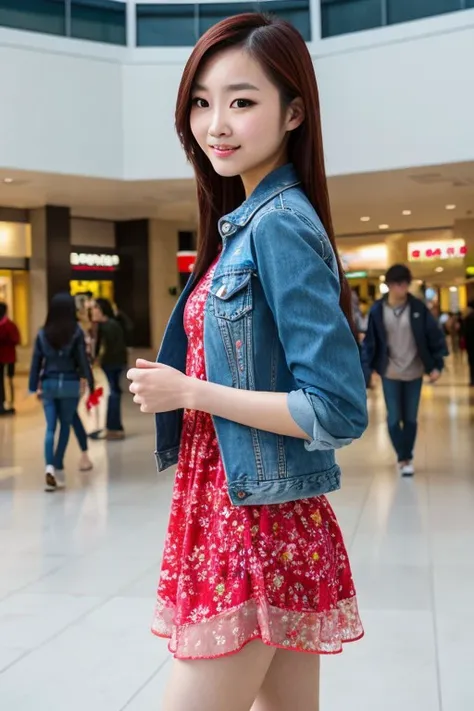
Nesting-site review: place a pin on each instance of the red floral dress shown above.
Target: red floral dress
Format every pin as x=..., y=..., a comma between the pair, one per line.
x=232, y=574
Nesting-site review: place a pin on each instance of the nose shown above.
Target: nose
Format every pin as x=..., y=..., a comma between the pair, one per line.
x=218, y=126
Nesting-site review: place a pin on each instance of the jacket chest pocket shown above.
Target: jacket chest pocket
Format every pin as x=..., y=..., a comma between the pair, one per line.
x=232, y=295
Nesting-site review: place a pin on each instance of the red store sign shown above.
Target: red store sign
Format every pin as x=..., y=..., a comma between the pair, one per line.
x=186, y=262
x=427, y=251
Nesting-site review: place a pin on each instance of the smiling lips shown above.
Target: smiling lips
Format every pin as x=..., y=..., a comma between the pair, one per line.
x=224, y=151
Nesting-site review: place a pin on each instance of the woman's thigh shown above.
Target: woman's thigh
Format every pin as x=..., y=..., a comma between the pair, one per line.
x=67, y=410
x=50, y=407
x=291, y=683
x=224, y=684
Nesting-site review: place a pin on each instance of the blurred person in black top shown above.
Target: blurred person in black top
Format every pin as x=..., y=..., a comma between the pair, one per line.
x=467, y=331
x=111, y=352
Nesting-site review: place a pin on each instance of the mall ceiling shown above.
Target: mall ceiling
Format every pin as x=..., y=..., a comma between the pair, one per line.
x=383, y=197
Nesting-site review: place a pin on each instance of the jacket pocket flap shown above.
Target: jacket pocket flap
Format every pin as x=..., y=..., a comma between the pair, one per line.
x=227, y=285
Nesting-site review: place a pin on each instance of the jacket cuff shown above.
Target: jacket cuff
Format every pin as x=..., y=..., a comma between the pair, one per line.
x=303, y=413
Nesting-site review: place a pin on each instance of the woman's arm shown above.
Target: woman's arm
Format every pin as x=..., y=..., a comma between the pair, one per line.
x=259, y=410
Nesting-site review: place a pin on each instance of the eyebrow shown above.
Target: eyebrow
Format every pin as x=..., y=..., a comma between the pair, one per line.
x=243, y=86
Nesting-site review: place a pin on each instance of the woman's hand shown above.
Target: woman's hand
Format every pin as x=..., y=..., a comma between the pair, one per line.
x=157, y=387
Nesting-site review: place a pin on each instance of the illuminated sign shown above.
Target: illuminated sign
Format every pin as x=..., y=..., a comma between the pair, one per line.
x=428, y=251
x=81, y=261
x=356, y=275
x=370, y=256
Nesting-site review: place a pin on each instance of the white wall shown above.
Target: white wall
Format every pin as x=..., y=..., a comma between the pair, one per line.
x=393, y=97
x=60, y=108
x=408, y=102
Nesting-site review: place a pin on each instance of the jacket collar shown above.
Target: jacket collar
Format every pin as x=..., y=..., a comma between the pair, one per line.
x=272, y=185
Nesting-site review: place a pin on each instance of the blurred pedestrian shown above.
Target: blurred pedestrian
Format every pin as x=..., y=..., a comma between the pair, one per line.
x=403, y=342
x=111, y=353
x=58, y=364
x=9, y=339
x=468, y=339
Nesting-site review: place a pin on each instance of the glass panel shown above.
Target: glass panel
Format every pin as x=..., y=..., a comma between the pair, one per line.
x=338, y=17
x=469, y=3
x=47, y=16
x=210, y=15
x=99, y=20
x=295, y=11
x=404, y=10
x=166, y=25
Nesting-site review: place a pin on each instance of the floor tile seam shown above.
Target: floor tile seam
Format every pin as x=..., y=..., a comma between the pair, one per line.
x=361, y=510
x=433, y=606
x=144, y=685
x=59, y=632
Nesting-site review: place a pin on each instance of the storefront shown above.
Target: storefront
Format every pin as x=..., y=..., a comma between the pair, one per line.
x=93, y=273
x=15, y=252
x=440, y=264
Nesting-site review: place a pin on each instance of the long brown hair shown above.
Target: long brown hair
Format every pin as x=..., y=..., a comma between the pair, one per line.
x=283, y=55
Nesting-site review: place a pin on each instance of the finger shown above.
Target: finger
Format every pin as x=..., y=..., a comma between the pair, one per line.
x=133, y=387
x=142, y=363
x=132, y=374
x=138, y=400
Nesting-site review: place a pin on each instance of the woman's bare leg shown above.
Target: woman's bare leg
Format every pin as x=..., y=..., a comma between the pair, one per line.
x=224, y=684
x=291, y=683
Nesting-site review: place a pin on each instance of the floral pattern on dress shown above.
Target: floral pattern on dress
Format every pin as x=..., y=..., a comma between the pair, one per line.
x=232, y=574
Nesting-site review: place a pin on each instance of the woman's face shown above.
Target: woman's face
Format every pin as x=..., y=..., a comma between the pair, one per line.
x=238, y=120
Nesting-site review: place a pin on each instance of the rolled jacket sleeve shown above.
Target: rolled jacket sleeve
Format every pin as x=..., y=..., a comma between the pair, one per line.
x=303, y=291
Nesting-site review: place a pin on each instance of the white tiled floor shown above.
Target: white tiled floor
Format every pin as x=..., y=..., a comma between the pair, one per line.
x=78, y=569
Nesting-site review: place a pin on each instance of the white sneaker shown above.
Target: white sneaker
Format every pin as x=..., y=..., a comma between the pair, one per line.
x=60, y=477
x=407, y=469
x=50, y=479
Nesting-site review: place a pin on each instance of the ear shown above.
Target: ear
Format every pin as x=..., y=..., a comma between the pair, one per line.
x=295, y=114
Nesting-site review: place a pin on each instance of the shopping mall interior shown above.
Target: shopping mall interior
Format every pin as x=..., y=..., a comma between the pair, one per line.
x=96, y=199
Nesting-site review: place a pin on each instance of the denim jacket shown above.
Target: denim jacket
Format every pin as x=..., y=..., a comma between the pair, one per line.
x=273, y=322
x=68, y=364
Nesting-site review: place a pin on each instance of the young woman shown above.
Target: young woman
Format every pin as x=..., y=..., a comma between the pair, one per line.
x=258, y=381
x=111, y=351
x=59, y=362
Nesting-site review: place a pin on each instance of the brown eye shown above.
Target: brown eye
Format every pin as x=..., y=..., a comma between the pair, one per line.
x=242, y=103
x=200, y=103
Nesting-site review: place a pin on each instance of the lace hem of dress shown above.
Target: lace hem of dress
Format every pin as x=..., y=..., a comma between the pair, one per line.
x=228, y=632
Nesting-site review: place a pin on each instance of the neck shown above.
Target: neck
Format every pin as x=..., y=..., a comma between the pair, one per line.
x=396, y=300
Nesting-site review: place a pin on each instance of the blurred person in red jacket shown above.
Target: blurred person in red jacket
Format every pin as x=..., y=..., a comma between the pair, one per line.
x=9, y=339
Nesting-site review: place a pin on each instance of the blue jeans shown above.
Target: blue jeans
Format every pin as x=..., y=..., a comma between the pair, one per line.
x=62, y=410
x=114, y=417
x=402, y=400
x=80, y=432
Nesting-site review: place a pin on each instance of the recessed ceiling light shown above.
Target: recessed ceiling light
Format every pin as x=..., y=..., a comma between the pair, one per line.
x=450, y=207
x=453, y=289
x=406, y=212
x=383, y=227
x=365, y=219
x=8, y=180
x=439, y=269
